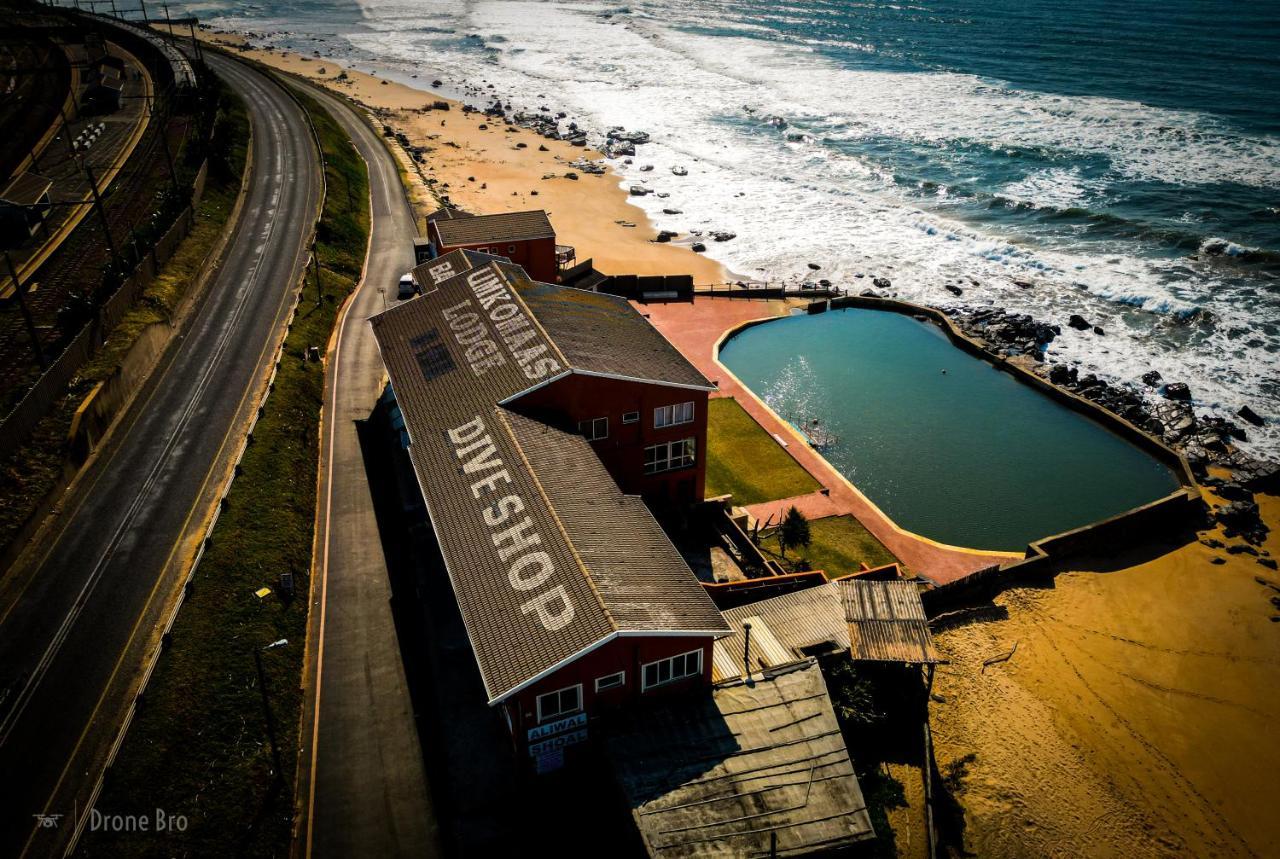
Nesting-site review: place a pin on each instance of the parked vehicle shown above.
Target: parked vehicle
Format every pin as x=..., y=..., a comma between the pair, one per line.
x=408, y=289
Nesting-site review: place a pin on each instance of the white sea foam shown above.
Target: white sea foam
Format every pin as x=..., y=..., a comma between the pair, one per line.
x=793, y=201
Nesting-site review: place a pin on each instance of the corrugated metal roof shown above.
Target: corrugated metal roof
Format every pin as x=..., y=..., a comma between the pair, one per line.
x=805, y=618
x=874, y=621
x=540, y=575
x=887, y=622
x=483, y=229
x=26, y=189
x=721, y=774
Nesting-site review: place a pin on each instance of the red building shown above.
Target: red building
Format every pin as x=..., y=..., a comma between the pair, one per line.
x=525, y=238
x=537, y=416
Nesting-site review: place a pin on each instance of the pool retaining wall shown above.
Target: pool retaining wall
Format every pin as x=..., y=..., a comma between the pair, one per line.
x=1044, y=556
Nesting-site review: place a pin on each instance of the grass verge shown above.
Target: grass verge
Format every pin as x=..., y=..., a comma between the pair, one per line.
x=33, y=471
x=200, y=745
x=746, y=461
x=839, y=544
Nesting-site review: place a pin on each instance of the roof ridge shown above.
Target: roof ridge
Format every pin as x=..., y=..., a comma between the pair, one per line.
x=502, y=413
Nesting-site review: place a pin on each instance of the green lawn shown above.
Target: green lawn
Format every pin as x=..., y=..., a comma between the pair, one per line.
x=746, y=461
x=839, y=544
x=199, y=744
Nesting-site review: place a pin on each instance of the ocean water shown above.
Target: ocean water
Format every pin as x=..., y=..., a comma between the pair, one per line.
x=1121, y=158
x=947, y=445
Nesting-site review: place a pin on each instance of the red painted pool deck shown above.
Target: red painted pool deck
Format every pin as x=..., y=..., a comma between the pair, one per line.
x=696, y=329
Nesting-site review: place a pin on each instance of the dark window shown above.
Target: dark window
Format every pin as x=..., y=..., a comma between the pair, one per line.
x=433, y=356
x=594, y=429
x=630, y=417
x=668, y=456
x=562, y=702
x=611, y=681
x=670, y=670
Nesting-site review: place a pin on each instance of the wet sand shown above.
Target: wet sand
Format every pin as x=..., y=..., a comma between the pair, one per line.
x=480, y=165
x=1136, y=717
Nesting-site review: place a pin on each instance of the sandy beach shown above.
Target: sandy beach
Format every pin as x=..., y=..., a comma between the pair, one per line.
x=487, y=166
x=1136, y=717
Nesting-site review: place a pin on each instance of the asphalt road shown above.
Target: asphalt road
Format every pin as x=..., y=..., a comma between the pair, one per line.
x=81, y=611
x=362, y=784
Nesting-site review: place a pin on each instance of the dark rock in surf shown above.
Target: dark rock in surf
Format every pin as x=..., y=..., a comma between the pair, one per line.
x=1251, y=416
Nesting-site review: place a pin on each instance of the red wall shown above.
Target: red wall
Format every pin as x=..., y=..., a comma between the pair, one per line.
x=622, y=654
x=576, y=398
x=536, y=256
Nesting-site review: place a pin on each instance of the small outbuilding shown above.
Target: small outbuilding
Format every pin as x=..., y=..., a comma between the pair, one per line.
x=873, y=621
x=24, y=204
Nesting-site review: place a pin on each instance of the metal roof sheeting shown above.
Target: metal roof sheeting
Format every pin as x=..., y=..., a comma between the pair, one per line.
x=605, y=334
x=887, y=622
x=726, y=771
x=781, y=626
x=874, y=621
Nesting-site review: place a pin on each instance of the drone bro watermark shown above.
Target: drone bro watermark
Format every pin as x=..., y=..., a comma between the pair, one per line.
x=99, y=821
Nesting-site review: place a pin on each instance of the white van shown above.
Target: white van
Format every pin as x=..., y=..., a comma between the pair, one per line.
x=408, y=289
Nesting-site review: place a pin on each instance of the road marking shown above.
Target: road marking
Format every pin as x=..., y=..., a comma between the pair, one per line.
x=279, y=130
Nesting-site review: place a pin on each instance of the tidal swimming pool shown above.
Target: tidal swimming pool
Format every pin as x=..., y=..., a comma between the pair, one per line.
x=947, y=445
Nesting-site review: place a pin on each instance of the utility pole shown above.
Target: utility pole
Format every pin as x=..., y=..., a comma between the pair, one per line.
x=266, y=712
x=102, y=215
x=195, y=43
x=26, y=311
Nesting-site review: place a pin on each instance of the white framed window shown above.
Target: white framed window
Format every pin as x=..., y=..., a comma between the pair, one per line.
x=670, y=670
x=611, y=681
x=511, y=249
x=669, y=456
x=594, y=429
x=673, y=415
x=562, y=702
x=631, y=417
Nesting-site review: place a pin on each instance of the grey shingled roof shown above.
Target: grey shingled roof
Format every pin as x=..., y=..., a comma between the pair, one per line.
x=720, y=775
x=434, y=272
x=506, y=227
x=604, y=334
x=640, y=576
x=588, y=586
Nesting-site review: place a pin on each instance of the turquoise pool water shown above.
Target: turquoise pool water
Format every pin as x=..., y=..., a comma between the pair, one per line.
x=969, y=456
